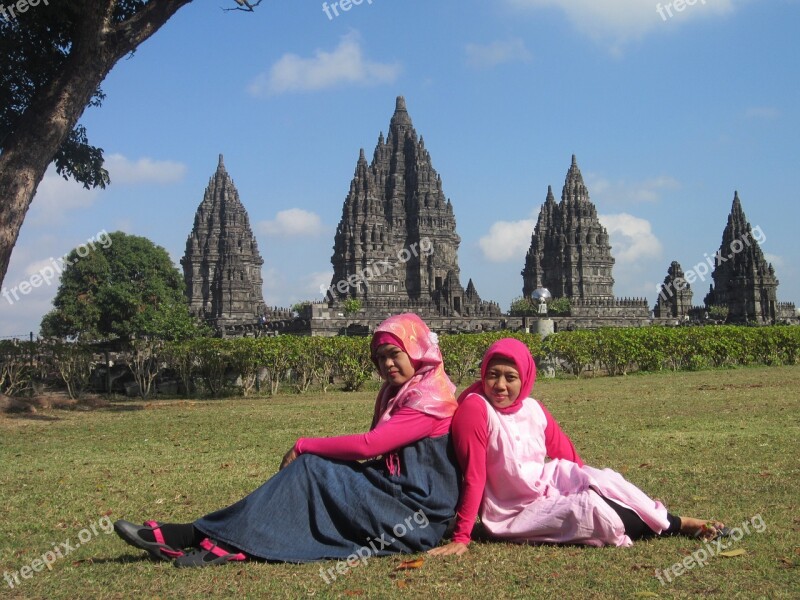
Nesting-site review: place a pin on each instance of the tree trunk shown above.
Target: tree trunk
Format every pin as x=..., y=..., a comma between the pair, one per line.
x=56, y=108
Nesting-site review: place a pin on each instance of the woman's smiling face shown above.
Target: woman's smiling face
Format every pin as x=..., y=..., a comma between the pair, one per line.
x=502, y=384
x=394, y=365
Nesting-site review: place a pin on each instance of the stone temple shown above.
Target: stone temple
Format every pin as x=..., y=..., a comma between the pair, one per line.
x=675, y=295
x=570, y=255
x=222, y=265
x=396, y=246
x=743, y=280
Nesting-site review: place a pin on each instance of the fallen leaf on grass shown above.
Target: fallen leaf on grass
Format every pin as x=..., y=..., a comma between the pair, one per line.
x=788, y=562
x=401, y=583
x=645, y=466
x=730, y=553
x=410, y=564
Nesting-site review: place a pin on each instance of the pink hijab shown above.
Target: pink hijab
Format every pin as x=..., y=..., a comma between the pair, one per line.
x=430, y=390
x=518, y=353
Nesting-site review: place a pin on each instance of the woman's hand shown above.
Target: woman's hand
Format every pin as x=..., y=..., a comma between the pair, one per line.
x=456, y=548
x=288, y=458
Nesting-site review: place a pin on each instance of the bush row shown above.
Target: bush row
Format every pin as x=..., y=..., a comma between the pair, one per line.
x=218, y=367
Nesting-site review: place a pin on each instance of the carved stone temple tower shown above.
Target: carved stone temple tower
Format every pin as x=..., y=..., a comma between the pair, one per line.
x=675, y=297
x=396, y=246
x=744, y=282
x=569, y=253
x=222, y=265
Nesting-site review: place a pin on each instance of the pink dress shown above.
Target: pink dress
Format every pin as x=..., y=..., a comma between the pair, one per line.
x=529, y=499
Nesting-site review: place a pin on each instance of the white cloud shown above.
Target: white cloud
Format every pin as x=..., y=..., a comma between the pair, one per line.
x=635, y=192
x=292, y=222
x=490, y=55
x=57, y=196
x=144, y=170
x=507, y=240
x=620, y=21
x=285, y=289
x=346, y=64
x=631, y=238
x=762, y=112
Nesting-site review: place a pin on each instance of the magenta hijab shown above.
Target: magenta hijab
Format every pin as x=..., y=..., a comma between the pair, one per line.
x=518, y=353
x=430, y=390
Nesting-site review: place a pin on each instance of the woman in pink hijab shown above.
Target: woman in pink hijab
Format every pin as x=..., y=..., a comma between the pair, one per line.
x=325, y=503
x=502, y=437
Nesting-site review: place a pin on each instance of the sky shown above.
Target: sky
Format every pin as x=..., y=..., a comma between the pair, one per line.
x=669, y=107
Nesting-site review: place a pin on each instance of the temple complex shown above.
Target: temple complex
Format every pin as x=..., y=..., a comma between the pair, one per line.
x=222, y=265
x=396, y=246
x=396, y=250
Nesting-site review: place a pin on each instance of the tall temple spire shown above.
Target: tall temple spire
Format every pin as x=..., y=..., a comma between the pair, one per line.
x=397, y=237
x=569, y=252
x=222, y=264
x=574, y=189
x=743, y=280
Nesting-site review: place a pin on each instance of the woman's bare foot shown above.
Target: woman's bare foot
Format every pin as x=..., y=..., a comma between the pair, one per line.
x=701, y=528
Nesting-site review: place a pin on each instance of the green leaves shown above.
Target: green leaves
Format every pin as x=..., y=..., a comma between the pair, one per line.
x=124, y=287
x=621, y=350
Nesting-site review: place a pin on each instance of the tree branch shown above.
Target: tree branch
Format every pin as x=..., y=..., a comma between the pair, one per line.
x=244, y=5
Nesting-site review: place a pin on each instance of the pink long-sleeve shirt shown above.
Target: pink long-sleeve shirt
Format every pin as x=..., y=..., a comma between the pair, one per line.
x=470, y=432
x=405, y=427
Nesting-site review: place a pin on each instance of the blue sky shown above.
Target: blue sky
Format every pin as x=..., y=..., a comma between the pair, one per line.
x=668, y=115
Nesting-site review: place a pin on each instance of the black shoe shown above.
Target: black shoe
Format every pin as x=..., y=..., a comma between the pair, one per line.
x=158, y=550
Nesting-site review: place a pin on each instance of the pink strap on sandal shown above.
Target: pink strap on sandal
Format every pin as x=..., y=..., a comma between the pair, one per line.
x=210, y=546
x=157, y=533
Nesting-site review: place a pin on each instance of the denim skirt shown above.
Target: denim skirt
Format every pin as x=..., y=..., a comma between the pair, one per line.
x=319, y=508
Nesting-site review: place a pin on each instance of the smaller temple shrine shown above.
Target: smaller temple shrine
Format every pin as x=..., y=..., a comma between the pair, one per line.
x=675, y=295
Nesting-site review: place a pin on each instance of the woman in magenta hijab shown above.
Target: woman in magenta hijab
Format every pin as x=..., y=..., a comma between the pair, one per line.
x=326, y=504
x=502, y=437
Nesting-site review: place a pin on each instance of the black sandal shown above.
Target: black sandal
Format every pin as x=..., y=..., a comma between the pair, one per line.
x=159, y=549
x=208, y=554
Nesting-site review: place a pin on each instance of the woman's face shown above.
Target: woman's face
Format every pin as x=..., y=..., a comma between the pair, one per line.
x=502, y=384
x=394, y=365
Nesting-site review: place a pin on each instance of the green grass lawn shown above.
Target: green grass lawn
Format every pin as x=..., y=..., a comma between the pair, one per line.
x=720, y=444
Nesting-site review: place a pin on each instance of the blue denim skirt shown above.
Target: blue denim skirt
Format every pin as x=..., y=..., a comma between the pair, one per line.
x=319, y=508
